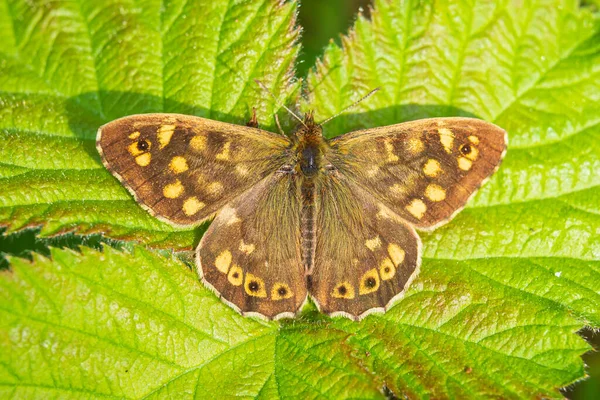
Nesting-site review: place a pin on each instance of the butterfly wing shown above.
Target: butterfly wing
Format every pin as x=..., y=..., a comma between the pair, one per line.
x=365, y=255
x=425, y=171
x=183, y=169
x=250, y=255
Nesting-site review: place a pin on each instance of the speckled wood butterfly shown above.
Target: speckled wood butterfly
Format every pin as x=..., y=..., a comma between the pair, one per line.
x=303, y=216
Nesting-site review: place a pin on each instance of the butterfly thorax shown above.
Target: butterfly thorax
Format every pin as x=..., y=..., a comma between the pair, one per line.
x=309, y=148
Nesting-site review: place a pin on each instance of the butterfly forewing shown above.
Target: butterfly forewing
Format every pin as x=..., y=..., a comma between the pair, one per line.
x=184, y=168
x=365, y=254
x=424, y=171
x=251, y=253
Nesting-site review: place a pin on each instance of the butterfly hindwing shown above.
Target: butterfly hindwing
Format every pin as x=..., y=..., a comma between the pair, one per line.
x=251, y=255
x=183, y=168
x=426, y=170
x=365, y=255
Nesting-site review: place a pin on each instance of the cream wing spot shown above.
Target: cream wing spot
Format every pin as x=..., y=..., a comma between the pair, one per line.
x=384, y=213
x=473, y=139
x=178, y=165
x=432, y=168
x=223, y=261
x=215, y=188
x=134, y=135
x=396, y=253
x=224, y=154
x=198, y=143
x=415, y=145
x=446, y=138
x=373, y=244
x=173, y=190
x=464, y=163
x=417, y=208
x=229, y=215
x=235, y=276
x=165, y=132
x=389, y=148
x=191, y=206
x=133, y=150
x=435, y=192
x=200, y=178
x=242, y=169
x=246, y=248
x=372, y=171
x=473, y=154
x=143, y=160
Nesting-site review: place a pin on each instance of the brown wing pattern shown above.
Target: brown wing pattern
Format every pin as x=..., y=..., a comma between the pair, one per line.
x=251, y=256
x=365, y=255
x=183, y=169
x=426, y=170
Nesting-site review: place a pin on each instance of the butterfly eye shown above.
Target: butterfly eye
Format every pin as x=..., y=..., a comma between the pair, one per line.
x=465, y=149
x=143, y=145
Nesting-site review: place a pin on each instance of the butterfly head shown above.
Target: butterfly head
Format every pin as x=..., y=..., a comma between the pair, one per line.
x=309, y=131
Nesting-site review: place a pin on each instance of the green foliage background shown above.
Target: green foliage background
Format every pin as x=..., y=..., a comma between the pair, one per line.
x=503, y=288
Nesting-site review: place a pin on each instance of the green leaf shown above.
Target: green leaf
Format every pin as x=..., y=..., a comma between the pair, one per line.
x=503, y=288
x=68, y=329
x=143, y=326
x=68, y=67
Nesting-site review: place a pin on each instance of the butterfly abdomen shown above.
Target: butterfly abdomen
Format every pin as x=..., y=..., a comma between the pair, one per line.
x=308, y=238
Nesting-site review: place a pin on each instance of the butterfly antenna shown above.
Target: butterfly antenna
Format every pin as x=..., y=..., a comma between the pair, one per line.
x=372, y=92
x=279, y=125
x=266, y=89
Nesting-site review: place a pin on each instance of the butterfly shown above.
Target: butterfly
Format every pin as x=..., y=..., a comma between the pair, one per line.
x=302, y=216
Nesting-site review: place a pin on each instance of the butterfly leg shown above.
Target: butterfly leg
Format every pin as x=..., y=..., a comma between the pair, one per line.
x=253, y=123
